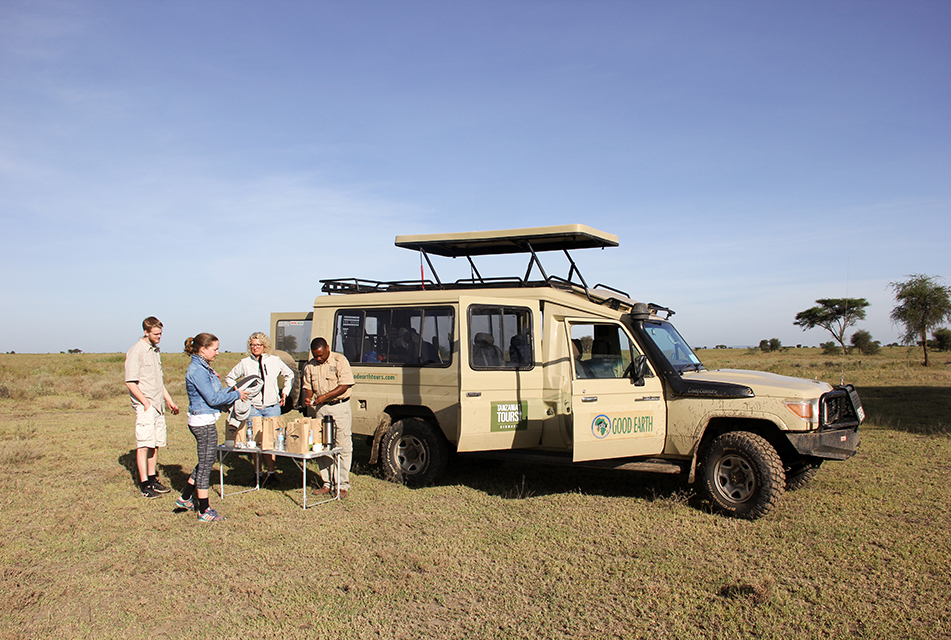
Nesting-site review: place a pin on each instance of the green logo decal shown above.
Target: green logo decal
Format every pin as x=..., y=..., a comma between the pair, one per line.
x=510, y=416
x=601, y=426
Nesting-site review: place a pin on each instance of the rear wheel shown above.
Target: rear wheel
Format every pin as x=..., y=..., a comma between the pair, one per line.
x=414, y=452
x=742, y=475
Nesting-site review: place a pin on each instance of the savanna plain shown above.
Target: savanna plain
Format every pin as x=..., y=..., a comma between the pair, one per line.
x=516, y=551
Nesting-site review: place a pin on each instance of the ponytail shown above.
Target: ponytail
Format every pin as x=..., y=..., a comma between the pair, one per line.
x=202, y=340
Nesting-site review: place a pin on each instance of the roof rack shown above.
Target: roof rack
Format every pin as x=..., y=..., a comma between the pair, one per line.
x=529, y=241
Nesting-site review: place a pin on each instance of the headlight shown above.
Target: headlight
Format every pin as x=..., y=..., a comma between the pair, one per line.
x=807, y=410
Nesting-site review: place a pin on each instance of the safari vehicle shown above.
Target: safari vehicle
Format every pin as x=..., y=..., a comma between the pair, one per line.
x=545, y=368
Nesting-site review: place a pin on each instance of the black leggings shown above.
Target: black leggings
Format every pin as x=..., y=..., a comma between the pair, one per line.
x=207, y=438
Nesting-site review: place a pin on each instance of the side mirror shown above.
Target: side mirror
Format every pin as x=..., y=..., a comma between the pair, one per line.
x=639, y=370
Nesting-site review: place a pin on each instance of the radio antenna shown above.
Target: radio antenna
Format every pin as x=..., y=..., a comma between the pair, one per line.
x=848, y=264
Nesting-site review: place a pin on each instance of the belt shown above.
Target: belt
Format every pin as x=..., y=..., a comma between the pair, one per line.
x=333, y=402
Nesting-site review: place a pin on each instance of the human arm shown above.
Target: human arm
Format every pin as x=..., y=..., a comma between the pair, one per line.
x=236, y=373
x=210, y=390
x=311, y=400
x=344, y=380
x=288, y=374
x=137, y=394
x=171, y=403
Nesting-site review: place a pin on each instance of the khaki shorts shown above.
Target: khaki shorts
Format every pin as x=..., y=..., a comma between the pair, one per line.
x=150, y=429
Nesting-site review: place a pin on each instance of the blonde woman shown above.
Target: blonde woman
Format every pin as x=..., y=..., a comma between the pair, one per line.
x=268, y=402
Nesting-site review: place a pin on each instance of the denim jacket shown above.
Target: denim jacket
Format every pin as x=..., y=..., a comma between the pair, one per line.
x=203, y=385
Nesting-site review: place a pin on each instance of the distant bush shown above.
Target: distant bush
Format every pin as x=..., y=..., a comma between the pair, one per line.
x=942, y=340
x=862, y=341
x=830, y=348
x=773, y=344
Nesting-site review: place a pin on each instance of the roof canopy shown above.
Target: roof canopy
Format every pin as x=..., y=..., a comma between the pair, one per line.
x=484, y=243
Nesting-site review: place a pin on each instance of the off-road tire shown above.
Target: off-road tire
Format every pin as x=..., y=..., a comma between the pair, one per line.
x=742, y=475
x=414, y=452
x=800, y=475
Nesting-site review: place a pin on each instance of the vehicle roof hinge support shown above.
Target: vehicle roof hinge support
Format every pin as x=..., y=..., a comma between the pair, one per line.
x=574, y=269
x=534, y=260
x=432, y=269
x=475, y=270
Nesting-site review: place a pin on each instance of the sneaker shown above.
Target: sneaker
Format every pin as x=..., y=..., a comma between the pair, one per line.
x=210, y=516
x=185, y=504
x=149, y=492
x=158, y=487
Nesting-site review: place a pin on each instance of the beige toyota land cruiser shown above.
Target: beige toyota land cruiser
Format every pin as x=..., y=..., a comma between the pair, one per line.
x=545, y=368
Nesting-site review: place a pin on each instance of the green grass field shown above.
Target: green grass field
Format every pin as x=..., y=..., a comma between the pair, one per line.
x=508, y=552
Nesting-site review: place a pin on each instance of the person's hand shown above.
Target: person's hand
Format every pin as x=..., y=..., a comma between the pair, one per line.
x=244, y=394
x=174, y=408
x=283, y=398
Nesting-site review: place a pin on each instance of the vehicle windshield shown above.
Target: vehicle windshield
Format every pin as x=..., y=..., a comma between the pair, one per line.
x=680, y=355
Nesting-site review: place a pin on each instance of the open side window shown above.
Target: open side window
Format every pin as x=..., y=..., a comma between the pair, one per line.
x=416, y=336
x=500, y=337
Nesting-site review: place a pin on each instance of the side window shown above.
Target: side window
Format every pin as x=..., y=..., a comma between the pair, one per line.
x=347, y=334
x=600, y=350
x=500, y=337
x=293, y=336
x=402, y=336
x=375, y=341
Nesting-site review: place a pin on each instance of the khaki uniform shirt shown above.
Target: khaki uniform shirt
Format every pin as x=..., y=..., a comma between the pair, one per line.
x=143, y=365
x=323, y=378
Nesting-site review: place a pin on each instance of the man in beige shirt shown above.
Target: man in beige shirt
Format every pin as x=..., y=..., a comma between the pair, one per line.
x=326, y=382
x=143, y=377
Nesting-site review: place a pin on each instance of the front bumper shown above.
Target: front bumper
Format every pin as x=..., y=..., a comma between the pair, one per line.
x=831, y=444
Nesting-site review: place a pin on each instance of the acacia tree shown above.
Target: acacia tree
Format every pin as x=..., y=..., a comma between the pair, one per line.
x=923, y=305
x=835, y=315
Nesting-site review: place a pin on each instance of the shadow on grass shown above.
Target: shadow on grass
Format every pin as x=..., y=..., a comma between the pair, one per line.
x=517, y=480
x=239, y=470
x=513, y=480
x=919, y=410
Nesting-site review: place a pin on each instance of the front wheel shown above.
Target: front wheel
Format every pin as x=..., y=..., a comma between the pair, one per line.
x=414, y=452
x=742, y=475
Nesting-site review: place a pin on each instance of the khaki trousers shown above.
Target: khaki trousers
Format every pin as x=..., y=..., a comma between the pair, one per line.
x=343, y=438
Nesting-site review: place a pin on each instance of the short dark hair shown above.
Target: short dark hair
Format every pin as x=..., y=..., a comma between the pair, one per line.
x=318, y=343
x=150, y=323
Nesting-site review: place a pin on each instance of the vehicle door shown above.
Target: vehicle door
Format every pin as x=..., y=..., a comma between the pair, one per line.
x=500, y=387
x=612, y=416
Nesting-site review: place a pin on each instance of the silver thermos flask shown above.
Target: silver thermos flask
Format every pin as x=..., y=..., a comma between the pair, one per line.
x=328, y=431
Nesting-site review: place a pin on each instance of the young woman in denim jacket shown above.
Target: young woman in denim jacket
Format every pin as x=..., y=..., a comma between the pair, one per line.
x=206, y=400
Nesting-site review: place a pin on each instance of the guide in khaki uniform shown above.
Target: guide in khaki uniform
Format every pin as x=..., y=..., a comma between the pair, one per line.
x=326, y=382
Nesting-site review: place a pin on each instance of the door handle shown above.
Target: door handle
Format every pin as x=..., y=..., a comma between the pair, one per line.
x=473, y=394
x=647, y=399
x=589, y=399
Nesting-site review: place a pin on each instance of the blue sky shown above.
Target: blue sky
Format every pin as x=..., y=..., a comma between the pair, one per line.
x=209, y=162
